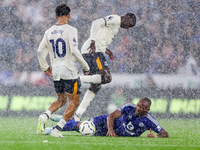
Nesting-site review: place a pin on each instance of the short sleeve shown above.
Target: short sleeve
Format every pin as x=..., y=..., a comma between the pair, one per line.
x=153, y=124
x=112, y=20
x=73, y=40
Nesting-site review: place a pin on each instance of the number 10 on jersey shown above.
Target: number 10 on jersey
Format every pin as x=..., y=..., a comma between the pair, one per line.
x=56, y=47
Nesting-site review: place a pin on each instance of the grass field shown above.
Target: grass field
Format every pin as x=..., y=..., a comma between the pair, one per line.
x=20, y=133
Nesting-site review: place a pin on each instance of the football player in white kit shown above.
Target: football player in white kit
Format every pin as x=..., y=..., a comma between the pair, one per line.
x=60, y=41
x=102, y=33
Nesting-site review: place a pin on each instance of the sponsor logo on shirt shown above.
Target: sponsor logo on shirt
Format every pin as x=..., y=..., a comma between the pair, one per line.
x=129, y=128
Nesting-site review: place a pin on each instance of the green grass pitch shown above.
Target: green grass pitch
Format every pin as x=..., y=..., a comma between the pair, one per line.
x=20, y=133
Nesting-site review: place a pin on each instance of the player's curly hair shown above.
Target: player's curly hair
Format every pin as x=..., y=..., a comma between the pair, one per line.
x=62, y=10
x=132, y=16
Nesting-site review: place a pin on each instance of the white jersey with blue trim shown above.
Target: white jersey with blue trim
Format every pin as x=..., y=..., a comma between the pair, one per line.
x=103, y=31
x=60, y=41
x=129, y=124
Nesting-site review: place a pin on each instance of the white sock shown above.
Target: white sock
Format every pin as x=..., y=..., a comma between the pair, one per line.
x=88, y=97
x=48, y=112
x=91, y=79
x=46, y=115
x=61, y=124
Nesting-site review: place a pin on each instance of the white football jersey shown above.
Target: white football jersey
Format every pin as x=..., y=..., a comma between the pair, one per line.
x=60, y=41
x=103, y=32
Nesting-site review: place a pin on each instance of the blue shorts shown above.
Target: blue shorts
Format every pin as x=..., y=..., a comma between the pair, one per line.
x=69, y=86
x=96, y=62
x=101, y=125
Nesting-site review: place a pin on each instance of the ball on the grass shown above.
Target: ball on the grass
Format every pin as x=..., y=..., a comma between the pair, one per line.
x=87, y=128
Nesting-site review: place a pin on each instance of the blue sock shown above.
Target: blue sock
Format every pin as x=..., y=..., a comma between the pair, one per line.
x=71, y=125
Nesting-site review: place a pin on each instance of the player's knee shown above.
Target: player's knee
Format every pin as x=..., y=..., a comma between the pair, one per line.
x=105, y=76
x=95, y=88
x=61, y=101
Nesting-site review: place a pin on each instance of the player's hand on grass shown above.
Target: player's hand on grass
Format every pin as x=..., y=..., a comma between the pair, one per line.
x=151, y=135
x=111, y=134
x=48, y=72
x=92, y=48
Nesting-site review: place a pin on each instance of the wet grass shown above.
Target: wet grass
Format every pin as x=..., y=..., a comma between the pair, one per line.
x=20, y=133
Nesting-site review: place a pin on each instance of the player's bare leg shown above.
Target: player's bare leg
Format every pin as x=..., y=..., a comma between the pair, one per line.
x=42, y=119
x=73, y=104
x=91, y=92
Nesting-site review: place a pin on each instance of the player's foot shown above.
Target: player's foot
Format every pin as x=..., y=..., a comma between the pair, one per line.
x=48, y=131
x=41, y=124
x=55, y=118
x=76, y=117
x=56, y=134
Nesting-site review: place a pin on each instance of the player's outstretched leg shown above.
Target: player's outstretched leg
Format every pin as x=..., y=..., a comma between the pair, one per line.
x=42, y=119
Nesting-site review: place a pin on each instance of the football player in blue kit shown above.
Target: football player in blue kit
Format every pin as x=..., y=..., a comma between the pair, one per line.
x=130, y=120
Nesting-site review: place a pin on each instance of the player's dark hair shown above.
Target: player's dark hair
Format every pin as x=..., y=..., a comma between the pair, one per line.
x=147, y=100
x=132, y=16
x=62, y=10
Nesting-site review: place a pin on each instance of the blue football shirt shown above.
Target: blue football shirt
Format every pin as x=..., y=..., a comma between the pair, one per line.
x=128, y=124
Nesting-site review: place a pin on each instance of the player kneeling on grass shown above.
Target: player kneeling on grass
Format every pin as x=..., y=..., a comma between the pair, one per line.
x=130, y=120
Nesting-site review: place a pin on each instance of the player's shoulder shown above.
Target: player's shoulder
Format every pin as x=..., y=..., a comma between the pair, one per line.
x=152, y=119
x=128, y=105
x=112, y=16
x=71, y=27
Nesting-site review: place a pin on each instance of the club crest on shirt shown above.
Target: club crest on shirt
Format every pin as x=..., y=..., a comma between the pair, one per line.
x=141, y=124
x=74, y=40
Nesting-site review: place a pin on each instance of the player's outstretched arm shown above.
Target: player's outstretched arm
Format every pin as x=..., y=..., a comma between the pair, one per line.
x=110, y=54
x=110, y=120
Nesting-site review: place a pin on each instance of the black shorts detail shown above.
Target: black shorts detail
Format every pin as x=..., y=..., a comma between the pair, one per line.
x=96, y=62
x=70, y=86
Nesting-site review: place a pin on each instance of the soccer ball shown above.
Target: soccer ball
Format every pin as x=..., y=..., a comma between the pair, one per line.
x=87, y=128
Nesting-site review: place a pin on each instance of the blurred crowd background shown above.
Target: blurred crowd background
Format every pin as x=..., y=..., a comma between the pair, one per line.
x=165, y=40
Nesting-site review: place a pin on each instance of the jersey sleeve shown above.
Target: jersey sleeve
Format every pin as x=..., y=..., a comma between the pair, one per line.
x=73, y=42
x=42, y=53
x=153, y=124
x=112, y=20
x=96, y=25
x=127, y=108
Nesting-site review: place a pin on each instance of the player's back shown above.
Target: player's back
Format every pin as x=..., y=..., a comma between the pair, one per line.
x=60, y=40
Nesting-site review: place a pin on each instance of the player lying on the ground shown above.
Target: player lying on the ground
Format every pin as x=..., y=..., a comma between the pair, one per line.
x=130, y=120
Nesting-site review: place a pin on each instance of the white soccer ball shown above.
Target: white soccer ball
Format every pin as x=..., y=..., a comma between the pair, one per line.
x=87, y=128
